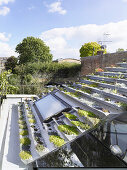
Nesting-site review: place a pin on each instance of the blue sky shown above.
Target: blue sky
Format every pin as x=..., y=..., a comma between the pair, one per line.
x=64, y=25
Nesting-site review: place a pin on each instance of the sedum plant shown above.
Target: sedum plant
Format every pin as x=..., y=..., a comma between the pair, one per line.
x=32, y=121
x=73, y=94
x=30, y=116
x=39, y=147
x=86, y=113
x=80, y=124
x=25, y=141
x=24, y=132
x=89, y=116
x=22, y=126
x=70, y=116
x=21, y=122
x=69, y=130
x=57, y=140
x=24, y=155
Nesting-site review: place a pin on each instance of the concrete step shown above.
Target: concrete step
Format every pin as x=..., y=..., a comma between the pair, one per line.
x=121, y=90
x=106, y=79
x=114, y=75
x=124, y=65
x=115, y=97
x=103, y=103
x=82, y=105
x=117, y=69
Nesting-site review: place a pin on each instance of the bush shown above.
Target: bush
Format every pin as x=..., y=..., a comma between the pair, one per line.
x=32, y=121
x=25, y=141
x=39, y=147
x=57, y=140
x=70, y=130
x=25, y=155
x=24, y=132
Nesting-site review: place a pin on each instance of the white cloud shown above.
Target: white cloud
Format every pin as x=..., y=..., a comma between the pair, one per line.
x=66, y=42
x=4, y=36
x=6, y=50
x=56, y=7
x=124, y=0
x=4, y=10
x=5, y=1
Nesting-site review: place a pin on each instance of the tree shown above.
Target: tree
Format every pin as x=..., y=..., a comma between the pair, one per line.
x=5, y=86
x=32, y=50
x=88, y=49
x=11, y=63
x=119, y=50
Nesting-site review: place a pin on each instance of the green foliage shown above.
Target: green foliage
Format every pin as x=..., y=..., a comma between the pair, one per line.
x=87, y=49
x=33, y=50
x=114, y=91
x=57, y=140
x=86, y=113
x=70, y=116
x=22, y=126
x=39, y=147
x=73, y=94
x=89, y=116
x=11, y=63
x=30, y=116
x=123, y=105
x=25, y=141
x=5, y=87
x=32, y=121
x=24, y=132
x=80, y=124
x=87, y=90
x=24, y=155
x=21, y=122
x=119, y=50
x=70, y=130
x=21, y=117
x=94, y=84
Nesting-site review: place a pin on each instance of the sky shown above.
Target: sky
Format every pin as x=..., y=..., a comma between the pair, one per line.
x=64, y=25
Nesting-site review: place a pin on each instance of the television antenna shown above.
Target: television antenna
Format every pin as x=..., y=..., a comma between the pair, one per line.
x=103, y=43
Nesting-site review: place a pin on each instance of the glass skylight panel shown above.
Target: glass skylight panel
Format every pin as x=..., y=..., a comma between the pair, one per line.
x=49, y=106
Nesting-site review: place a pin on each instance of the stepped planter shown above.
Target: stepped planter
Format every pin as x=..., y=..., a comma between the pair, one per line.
x=39, y=143
x=124, y=65
x=124, y=75
x=27, y=161
x=97, y=112
x=117, y=69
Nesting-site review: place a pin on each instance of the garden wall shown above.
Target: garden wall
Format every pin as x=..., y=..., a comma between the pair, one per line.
x=89, y=64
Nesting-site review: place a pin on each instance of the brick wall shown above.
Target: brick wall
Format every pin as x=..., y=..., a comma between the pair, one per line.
x=89, y=64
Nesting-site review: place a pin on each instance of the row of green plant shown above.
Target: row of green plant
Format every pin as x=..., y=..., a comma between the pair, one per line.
x=70, y=116
x=24, y=155
x=81, y=124
x=31, y=119
x=73, y=94
x=69, y=130
x=57, y=140
x=90, y=116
